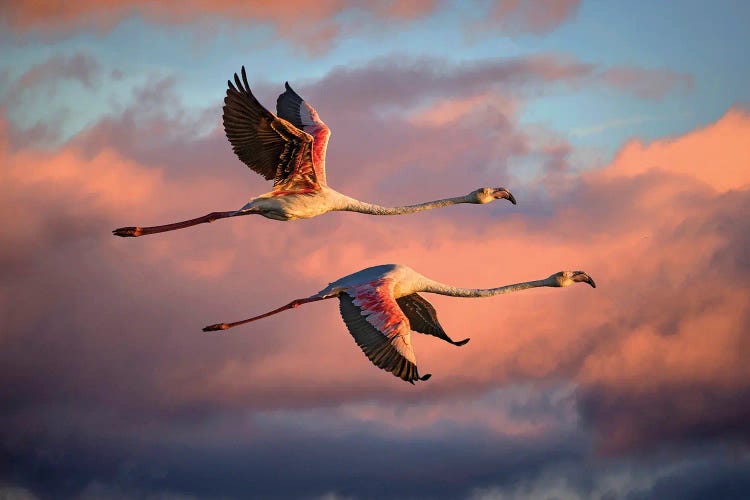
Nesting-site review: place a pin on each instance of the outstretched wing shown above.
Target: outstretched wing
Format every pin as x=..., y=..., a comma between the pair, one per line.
x=380, y=329
x=423, y=317
x=292, y=108
x=269, y=145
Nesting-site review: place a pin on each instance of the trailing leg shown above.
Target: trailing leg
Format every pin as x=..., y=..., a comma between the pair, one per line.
x=133, y=231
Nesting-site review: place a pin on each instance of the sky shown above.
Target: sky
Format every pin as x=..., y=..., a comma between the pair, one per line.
x=621, y=128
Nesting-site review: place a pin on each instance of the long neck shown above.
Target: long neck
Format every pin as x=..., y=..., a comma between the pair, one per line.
x=352, y=205
x=443, y=289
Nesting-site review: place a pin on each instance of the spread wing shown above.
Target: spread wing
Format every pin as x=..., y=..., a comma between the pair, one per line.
x=269, y=145
x=292, y=108
x=423, y=317
x=380, y=329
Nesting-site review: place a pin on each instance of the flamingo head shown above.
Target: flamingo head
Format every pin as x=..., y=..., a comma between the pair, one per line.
x=486, y=195
x=567, y=278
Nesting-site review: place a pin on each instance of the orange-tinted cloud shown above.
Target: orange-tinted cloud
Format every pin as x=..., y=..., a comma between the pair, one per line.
x=310, y=24
x=716, y=155
x=534, y=16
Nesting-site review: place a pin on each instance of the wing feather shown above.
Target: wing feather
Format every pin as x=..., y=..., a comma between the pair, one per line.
x=291, y=107
x=269, y=145
x=380, y=329
x=423, y=317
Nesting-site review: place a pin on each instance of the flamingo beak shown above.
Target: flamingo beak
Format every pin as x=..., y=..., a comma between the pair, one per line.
x=580, y=276
x=504, y=193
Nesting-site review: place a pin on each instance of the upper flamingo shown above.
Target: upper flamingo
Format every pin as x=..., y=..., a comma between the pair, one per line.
x=381, y=307
x=290, y=149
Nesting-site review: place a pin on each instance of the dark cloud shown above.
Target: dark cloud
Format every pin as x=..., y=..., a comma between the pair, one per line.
x=696, y=474
x=673, y=413
x=701, y=479
x=470, y=465
x=312, y=466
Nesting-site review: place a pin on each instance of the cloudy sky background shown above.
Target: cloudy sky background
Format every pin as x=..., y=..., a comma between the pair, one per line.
x=621, y=129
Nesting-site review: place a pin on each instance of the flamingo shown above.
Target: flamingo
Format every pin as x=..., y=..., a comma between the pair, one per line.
x=381, y=306
x=290, y=149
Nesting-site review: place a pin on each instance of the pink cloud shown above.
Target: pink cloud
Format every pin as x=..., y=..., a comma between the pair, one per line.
x=310, y=24
x=534, y=16
x=449, y=111
x=405, y=10
x=647, y=83
x=716, y=155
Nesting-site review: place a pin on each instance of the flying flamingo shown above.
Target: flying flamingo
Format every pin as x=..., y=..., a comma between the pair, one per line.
x=290, y=149
x=380, y=307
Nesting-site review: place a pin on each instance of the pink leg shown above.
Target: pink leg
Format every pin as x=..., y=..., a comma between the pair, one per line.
x=141, y=231
x=291, y=305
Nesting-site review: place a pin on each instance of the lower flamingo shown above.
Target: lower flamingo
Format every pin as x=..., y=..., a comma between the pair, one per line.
x=380, y=306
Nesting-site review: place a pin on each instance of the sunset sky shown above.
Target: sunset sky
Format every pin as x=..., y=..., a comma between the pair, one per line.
x=622, y=128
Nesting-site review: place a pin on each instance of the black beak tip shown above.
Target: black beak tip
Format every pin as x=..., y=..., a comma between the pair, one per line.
x=591, y=282
x=501, y=192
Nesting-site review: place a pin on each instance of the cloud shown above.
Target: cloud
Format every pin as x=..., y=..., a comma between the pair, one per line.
x=37, y=101
x=530, y=16
x=714, y=154
x=314, y=26
x=598, y=128
x=694, y=475
x=77, y=67
x=394, y=86
x=15, y=493
x=409, y=81
x=448, y=111
x=104, y=361
x=648, y=83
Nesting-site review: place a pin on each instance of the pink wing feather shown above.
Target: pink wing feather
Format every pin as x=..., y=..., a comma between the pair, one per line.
x=380, y=328
x=292, y=108
x=270, y=145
